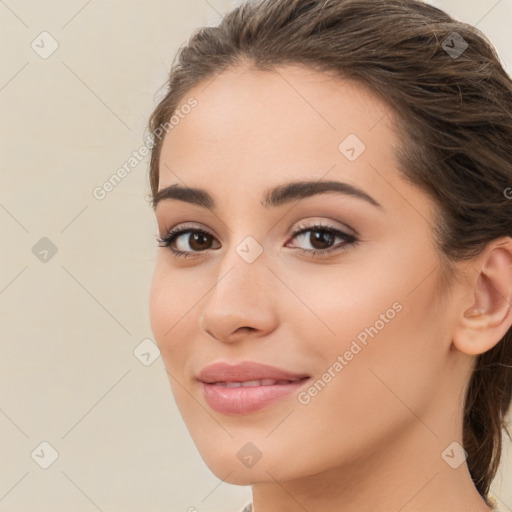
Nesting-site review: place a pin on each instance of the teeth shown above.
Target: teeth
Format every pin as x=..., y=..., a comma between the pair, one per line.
x=251, y=383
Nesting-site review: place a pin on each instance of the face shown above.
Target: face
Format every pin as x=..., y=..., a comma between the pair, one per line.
x=334, y=288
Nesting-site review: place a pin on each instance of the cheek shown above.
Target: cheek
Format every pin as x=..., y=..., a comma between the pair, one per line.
x=339, y=305
x=392, y=343
x=171, y=310
x=386, y=324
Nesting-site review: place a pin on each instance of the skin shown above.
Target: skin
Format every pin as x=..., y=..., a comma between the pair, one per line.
x=372, y=438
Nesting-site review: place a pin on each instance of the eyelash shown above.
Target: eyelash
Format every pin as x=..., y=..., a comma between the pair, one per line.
x=350, y=240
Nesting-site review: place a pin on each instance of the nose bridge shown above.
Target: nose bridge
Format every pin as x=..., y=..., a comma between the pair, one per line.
x=240, y=297
x=240, y=277
x=244, y=262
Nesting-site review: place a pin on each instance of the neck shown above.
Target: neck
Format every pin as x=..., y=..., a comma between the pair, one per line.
x=408, y=475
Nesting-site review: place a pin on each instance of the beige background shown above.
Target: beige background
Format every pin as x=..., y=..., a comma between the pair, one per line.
x=70, y=324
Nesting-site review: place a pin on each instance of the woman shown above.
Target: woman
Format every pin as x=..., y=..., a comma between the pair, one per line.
x=332, y=297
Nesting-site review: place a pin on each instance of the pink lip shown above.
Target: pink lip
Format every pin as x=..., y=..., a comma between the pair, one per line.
x=247, y=370
x=245, y=399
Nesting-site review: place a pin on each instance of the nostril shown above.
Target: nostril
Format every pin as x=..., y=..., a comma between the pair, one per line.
x=243, y=328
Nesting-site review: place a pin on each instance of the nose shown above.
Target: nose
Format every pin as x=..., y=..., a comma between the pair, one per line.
x=242, y=303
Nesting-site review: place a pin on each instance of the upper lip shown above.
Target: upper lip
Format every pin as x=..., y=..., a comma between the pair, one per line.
x=245, y=371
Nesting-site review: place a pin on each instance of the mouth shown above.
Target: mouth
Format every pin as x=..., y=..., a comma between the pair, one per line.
x=252, y=383
x=245, y=372
x=247, y=387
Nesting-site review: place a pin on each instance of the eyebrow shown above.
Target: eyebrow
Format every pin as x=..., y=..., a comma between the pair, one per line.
x=274, y=197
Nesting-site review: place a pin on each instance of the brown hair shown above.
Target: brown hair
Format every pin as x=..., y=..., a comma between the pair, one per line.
x=453, y=107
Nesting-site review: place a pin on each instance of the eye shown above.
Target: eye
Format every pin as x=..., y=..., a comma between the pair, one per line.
x=178, y=239
x=186, y=241
x=321, y=237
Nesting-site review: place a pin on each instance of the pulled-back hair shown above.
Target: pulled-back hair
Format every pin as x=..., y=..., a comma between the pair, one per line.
x=452, y=106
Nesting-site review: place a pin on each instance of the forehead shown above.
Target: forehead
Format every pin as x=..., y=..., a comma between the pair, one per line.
x=251, y=128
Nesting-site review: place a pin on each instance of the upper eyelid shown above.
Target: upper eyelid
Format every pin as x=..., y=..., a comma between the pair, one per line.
x=298, y=226
x=183, y=226
x=337, y=224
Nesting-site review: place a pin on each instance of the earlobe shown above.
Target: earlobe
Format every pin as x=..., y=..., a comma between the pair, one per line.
x=482, y=325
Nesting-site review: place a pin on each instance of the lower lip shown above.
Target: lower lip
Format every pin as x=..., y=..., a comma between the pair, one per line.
x=242, y=399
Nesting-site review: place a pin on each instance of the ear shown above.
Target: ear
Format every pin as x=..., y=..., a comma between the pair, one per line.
x=483, y=324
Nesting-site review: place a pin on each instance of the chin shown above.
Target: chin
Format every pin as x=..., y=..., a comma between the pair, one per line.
x=239, y=462
x=235, y=473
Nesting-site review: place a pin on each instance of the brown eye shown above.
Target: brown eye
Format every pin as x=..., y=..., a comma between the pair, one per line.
x=199, y=241
x=321, y=238
x=185, y=242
